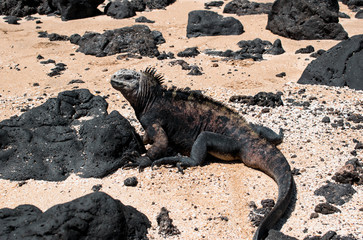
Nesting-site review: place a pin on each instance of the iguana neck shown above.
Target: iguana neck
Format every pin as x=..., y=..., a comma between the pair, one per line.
x=145, y=98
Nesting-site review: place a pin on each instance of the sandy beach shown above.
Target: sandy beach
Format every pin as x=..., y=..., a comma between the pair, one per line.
x=199, y=199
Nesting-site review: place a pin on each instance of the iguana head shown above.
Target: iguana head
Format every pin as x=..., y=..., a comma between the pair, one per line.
x=137, y=87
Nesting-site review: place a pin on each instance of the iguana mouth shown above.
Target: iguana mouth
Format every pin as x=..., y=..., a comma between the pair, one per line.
x=117, y=85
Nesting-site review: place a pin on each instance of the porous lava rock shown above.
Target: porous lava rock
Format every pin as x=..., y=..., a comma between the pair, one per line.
x=306, y=19
x=165, y=223
x=208, y=23
x=68, y=9
x=336, y=193
x=72, y=133
x=262, y=99
x=19, y=8
x=245, y=7
x=93, y=216
x=251, y=49
x=351, y=173
x=340, y=66
x=120, y=9
x=137, y=39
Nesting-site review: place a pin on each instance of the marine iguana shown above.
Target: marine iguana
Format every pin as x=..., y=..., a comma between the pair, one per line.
x=195, y=126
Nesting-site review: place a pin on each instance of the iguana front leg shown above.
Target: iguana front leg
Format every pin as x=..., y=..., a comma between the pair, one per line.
x=155, y=134
x=218, y=145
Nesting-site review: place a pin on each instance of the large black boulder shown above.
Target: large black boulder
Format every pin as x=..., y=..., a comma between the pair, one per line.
x=137, y=39
x=208, y=23
x=72, y=133
x=340, y=66
x=20, y=8
x=245, y=7
x=94, y=216
x=75, y=9
x=68, y=9
x=120, y=9
x=306, y=19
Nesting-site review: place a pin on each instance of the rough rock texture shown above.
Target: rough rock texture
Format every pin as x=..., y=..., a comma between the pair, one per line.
x=339, y=66
x=263, y=99
x=208, y=23
x=331, y=235
x=336, y=193
x=245, y=7
x=94, y=216
x=257, y=215
x=120, y=9
x=70, y=133
x=326, y=208
x=137, y=39
x=351, y=173
x=68, y=9
x=19, y=8
x=189, y=52
x=306, y=19
x=253, y=49
x=165, y=223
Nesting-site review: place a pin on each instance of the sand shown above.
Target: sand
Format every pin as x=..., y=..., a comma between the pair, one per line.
x=198, y=199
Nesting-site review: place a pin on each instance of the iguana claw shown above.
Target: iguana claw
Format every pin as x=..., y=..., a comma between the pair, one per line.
x=140, y=162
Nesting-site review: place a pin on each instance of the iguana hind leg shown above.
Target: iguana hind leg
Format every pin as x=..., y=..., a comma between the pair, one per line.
x=218, y=145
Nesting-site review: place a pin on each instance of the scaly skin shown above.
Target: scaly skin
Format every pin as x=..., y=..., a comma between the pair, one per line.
x=195, y=126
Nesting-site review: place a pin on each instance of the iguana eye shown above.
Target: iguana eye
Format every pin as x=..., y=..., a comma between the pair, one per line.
x=127, y=77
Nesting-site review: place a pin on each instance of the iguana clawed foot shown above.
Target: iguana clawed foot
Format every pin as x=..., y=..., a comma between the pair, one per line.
x=139, y=162
x=179, y=161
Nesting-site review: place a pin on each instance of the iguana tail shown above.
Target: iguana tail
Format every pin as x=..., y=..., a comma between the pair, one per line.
x=271, y=161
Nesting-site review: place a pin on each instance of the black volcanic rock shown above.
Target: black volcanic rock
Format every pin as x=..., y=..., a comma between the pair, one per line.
x=94, y=216
x=262, y=99
x=68, y=9
x=137, y=39
x=336, y=193
x=19, y=8
x=189, y=52
x=353, y=3
x=72, y=133
x=306, y=19
x=340, y=66
x=253, y=49
x=143, y=19
x=359, y=14
x=208, y=5
x=120, y=9
x=277, y=235
x=208, y=23
x=245, y=7
x=76, y=9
